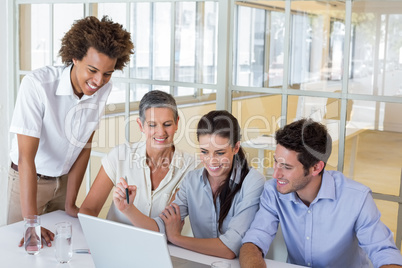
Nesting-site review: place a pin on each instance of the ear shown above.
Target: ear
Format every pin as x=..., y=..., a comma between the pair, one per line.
x=317, y=168
x=75, y=61
x=177, y=123
x=140, y=124
x=236, y=147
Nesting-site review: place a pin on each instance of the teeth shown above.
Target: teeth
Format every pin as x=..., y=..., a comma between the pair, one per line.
x=281, y=182
x=91, y=86
x=159, y=139
x=214, y=168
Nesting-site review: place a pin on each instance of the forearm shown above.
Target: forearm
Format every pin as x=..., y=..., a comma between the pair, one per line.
x=28, y=187
x=97, y=195
x=75, y=177
x=208, y=246
x=140, y=220
x=27, y=148
x=251, y=256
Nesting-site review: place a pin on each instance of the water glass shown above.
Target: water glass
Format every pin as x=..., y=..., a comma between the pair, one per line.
x=220, y=264
x=32, y=234
x=63, y=245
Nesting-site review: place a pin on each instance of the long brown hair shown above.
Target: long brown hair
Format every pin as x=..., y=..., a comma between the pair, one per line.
x=225, y=125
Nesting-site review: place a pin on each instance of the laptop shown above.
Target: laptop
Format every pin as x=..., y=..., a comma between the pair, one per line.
x=114, y=244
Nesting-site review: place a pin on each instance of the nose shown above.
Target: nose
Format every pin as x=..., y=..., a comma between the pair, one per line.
x=98, y=79
x=277, y=171
x=209, y=159
x=160, y=130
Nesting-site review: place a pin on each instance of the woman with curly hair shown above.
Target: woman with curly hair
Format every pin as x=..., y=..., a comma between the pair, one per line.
x=56, y=113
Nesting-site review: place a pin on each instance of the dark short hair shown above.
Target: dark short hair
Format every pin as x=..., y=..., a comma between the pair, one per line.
x=104, y=35
x=157, y=99
x=309, y=139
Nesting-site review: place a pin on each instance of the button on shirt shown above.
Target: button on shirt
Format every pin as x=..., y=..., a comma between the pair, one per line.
x=340, y=228
x=47, y=108
x=130, y=161
x=195, y=199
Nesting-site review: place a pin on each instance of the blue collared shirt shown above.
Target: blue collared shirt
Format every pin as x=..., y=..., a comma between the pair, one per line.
x=340, y=228
x=195, y=200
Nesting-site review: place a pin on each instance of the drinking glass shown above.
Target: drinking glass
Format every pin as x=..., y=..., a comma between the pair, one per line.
x=32, y=234
x=220, y=264
x=63, y=245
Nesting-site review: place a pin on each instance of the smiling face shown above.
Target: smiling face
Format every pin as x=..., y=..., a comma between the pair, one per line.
x=289, y=172
x=159, y=128
x=217, y=155
x=92, y=72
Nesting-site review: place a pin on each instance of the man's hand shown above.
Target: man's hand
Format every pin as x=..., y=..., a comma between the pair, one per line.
x=47, y=236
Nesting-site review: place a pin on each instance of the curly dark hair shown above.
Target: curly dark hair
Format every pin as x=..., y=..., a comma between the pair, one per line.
x=104, y=35
x=309, y=139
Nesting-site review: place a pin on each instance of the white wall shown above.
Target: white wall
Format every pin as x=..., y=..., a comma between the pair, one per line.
x=6, y=104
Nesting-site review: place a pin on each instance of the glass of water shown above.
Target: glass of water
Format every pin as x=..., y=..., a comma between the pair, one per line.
x=63, y=245
x=32, y=234
x=220, y=264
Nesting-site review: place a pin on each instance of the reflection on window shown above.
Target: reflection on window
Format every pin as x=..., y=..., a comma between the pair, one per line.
x=66, y=14
x=376, y=52
x=316, y=46
x=34, y=38
x=378, y=147
x=175, y=41
x=151, y=34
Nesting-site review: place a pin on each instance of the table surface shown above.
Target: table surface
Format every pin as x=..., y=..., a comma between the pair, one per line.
x=13, y=256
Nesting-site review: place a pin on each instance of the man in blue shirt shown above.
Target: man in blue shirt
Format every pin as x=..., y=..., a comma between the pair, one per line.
x=327, y=219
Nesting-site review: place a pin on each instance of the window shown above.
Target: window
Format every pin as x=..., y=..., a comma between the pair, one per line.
x=175, y=45
x=338, y=69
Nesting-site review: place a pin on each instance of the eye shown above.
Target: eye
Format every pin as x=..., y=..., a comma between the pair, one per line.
x=220, y=153
x=152, y=125
x=107, y=74
x=204, y=152
x=167, y=124
x=92, y=71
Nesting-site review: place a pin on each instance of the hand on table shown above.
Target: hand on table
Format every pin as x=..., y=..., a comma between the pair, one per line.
x=72, y=210
x=47, y=236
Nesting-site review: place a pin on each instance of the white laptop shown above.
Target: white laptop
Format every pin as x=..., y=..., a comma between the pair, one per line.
x=114, y=244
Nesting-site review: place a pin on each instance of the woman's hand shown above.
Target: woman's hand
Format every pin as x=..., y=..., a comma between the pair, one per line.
x=173, y=223
x=119, y=195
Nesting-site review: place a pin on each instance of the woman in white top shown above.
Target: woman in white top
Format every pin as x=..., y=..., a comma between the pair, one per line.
x=220, y=199
x=155, y=166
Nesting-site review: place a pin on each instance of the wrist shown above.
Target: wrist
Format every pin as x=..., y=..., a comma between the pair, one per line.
x=174, y=239
x=71, y=210
x=129, y=210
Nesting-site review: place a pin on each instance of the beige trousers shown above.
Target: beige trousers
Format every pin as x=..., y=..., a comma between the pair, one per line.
x=51, y=195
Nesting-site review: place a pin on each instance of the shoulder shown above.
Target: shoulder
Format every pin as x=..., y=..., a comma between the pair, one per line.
x=42, y=82
x=254, y=176
x=195, y=174
x=193, y=180
x=345, y=184
x=46, y=74
x=254, y=180
x=184, y=160
x=126, y=149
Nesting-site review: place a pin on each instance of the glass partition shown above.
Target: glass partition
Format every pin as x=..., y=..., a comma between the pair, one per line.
x=259, y=118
